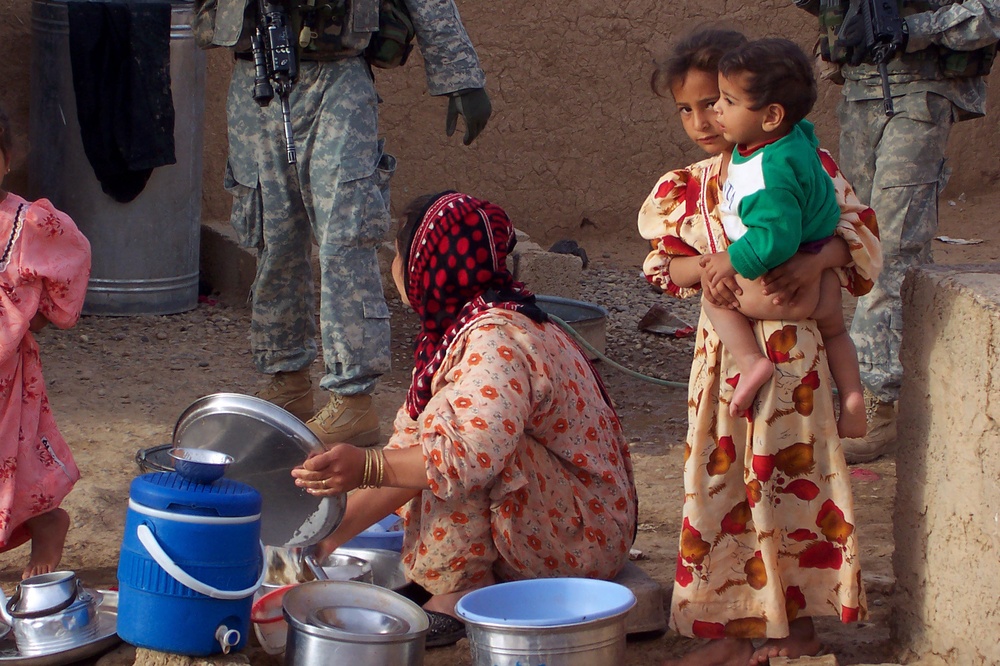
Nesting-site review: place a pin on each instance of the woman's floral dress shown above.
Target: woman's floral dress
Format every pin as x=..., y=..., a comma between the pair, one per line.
x=530, y=475
x=768, y=530
x=44, y=268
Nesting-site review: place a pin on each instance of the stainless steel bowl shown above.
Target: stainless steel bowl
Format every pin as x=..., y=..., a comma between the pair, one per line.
x=43, y=594
x=357, y=620
x=200, y=465
x=341, y=566
x=387, y=565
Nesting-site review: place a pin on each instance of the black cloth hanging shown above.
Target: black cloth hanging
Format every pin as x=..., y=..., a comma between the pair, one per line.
x=120, y=55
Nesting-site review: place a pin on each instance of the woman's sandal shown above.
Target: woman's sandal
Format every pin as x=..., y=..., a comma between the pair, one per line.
x=444, y=629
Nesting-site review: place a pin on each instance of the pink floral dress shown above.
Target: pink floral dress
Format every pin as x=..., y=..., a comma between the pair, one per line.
x=767, y=531
x=530, y=475
x=44, y=268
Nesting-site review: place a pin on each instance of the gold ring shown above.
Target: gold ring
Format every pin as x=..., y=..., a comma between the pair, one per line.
x=324, y=483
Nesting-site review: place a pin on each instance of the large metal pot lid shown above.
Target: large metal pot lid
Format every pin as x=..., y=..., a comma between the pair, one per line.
x=266, y=443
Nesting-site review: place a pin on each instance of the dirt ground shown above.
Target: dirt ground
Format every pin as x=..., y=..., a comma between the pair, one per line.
x=117, y=385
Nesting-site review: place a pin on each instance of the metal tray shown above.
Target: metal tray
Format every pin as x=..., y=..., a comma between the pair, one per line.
x=106, y=638
x=266, y=443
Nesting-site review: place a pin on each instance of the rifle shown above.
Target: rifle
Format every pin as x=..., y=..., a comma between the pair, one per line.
x=883, y=38
x=275, y=68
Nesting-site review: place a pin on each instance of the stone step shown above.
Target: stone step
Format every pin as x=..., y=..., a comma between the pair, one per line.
x=648, y=615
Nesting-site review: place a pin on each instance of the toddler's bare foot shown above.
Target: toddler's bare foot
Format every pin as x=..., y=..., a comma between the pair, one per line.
x=800, y=642
x=48, y=534
x=750, y=382
x=722, y=652
x=853, y=421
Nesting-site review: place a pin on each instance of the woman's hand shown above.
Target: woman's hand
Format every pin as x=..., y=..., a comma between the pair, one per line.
x=804, y=269
x=332, y=472
x=718, y=280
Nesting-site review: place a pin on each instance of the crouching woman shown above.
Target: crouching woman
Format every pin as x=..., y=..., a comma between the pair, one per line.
x=507, y=459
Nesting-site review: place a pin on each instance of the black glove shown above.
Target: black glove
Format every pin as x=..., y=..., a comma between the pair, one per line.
x=474, y=105
x=851, y=38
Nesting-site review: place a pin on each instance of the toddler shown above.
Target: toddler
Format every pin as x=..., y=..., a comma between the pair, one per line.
x=44, y=268
x=777, y=200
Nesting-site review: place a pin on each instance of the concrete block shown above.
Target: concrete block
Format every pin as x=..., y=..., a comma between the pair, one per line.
x=145, y=657
x=648, y=614
x=825, y=660
x=226, y=267
x=548, y=273
x=948, y=465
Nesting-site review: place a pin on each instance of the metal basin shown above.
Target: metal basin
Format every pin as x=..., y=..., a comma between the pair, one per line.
x=551, y=621
x=356, y=622
x=387, y=565
x=588, y=320
x=342, y=566
x=155, y=459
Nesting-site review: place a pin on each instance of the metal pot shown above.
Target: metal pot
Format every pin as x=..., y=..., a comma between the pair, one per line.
x=44, y=594
x=75, y=625
x=350, y=622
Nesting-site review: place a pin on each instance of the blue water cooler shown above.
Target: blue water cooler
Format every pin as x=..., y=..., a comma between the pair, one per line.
x=191, y=560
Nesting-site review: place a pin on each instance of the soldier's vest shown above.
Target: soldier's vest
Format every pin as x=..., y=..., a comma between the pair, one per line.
x=953, y=63
x=332, y=29
x=323, y=29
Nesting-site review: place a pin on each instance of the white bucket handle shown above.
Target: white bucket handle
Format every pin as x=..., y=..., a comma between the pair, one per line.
x=148, y=539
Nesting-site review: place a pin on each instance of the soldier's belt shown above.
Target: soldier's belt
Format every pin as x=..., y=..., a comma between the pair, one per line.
x=303, y=57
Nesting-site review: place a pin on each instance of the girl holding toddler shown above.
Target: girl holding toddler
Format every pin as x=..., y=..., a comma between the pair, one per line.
x=767, y=539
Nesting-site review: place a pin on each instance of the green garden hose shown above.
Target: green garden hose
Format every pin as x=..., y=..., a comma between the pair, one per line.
x=617, y=366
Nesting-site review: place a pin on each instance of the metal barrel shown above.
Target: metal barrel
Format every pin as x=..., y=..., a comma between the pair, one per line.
x=145, y=253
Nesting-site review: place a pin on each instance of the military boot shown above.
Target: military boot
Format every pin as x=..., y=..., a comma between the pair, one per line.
x=291, y=391
x=346, y=418
x=881, y=435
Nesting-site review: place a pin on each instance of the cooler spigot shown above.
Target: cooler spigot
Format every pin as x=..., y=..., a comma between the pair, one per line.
x=227, y=637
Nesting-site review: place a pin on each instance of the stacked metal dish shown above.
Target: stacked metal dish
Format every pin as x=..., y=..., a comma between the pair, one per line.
x=266, y=443
x=359, y=623
x=52, y=613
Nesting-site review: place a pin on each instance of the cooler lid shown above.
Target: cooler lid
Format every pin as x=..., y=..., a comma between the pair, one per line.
x=169, y=491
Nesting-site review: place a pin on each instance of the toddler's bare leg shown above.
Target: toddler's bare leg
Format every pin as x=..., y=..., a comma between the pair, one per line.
x=842, y=357
x=738, y=337
x=48, y=535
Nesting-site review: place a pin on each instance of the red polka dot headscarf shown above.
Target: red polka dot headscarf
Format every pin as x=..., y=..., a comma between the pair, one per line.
x=457, y=270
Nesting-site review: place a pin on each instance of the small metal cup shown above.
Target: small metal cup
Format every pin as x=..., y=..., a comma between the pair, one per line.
x=43, y=594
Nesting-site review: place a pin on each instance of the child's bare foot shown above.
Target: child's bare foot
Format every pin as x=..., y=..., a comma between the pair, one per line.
x=722, y=652
x=750, y=382
x=48, y=534
x=800, y=642
x=853, y=421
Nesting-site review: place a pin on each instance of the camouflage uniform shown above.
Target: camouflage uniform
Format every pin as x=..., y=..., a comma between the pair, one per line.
x=897, y=163
x=337, y=193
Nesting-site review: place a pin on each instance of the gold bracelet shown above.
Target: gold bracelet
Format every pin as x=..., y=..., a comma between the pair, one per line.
x=380, y=456
x=366, y=477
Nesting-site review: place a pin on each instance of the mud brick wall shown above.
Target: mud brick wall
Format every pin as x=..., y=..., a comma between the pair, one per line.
x=577, y=138
x=947, y=513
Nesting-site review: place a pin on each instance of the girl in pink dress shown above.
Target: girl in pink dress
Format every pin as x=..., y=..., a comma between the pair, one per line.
x=44, y=267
